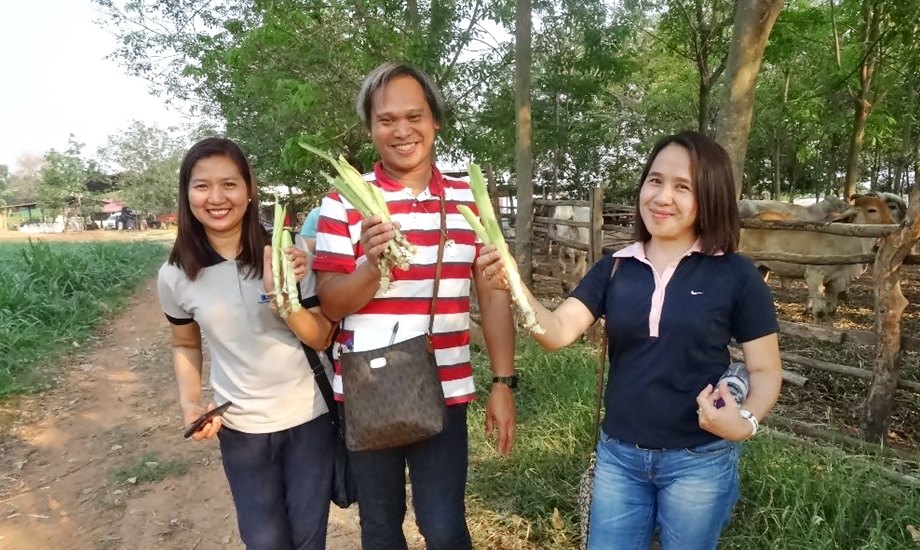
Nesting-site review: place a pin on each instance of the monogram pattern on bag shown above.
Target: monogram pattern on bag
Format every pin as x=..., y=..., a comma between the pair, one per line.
x=394, y=405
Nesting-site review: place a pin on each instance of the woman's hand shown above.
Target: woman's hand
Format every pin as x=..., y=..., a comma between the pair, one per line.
x=191, y=411
x=298, y=259
x=725, y=422
x=492, y=267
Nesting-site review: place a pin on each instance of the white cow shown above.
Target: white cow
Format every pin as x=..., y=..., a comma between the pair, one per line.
x=570, y=256
x=824, y=282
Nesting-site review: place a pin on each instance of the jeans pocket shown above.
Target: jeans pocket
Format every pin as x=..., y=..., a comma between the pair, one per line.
x=715, y=448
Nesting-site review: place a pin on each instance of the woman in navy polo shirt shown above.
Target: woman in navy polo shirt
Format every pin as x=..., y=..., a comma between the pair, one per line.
x=277, y=441
x=667, y=455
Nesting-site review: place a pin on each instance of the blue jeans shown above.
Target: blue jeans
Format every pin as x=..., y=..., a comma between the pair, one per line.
x=437, y=469
x=281, y=484
x=688, y=493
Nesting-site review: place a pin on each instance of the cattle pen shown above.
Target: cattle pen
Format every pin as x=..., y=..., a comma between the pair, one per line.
x=609, y=228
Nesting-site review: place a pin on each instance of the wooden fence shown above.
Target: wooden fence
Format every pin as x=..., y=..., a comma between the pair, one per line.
x=609, y=228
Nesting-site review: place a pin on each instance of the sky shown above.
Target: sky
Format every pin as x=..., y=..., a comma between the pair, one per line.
x=55, y=80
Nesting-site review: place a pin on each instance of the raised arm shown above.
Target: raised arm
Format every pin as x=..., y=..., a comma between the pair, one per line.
x=561, y=326
x=344, y=293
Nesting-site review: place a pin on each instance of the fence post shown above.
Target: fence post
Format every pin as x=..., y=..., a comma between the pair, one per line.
x=889, y=307
x=596, y=247
x=596, y=244
x=493, y=192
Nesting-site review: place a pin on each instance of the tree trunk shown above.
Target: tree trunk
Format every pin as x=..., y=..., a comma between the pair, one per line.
x=412, y=15
x=523, y=149
x=493, y=192
x=917, y=162
x=702, y=115
x=754, y=20
x=856, y=141
x=876, y=169
x=777, y=172
x=903, y=160
x=832, y=165
x=889, y=307
x=793, y=177
x=872, y=15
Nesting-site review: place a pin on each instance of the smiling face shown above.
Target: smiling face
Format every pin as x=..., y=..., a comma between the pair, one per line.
x=218, y=195
x=402, y=126
x=667, y=200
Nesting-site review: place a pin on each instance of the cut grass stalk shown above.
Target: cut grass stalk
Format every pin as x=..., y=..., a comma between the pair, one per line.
x=368, y=200
x=489, y=231
x=285, y=298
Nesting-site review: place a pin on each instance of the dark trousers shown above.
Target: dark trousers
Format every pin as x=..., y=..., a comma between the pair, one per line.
x=437, y=470
x=281, y=484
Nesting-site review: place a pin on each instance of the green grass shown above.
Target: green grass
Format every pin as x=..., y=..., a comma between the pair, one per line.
x=149, y=469
x=793, y=497
x=52, y=295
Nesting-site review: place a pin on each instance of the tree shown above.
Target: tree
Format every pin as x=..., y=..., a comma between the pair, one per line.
x=5, y=178
x=4, y=184
x=23, y=186
x=523, y=149
x=146, y=159
x=284, y=71
x=698, y=31
x=874, y=19
x=63, y=179
x=753, y=22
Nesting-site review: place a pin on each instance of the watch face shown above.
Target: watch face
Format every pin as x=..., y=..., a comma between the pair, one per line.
x=510, y=381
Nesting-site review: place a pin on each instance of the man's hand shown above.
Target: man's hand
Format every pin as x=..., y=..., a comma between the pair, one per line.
x=501, y=414
x=492, y=267
x=375, y=238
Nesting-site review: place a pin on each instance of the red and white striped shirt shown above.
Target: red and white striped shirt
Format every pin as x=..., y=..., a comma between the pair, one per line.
x=408, y=299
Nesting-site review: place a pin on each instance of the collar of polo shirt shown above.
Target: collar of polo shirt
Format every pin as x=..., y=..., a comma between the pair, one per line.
x=213, y=258
x=387, y=183
x=637, y=250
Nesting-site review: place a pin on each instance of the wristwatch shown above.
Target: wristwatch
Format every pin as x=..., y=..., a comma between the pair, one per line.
x=510, y=381
x=749, y=416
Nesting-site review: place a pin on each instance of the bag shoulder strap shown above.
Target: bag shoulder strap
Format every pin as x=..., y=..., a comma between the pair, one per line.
x=322, y=381
x=601, y=367
x=437, y=269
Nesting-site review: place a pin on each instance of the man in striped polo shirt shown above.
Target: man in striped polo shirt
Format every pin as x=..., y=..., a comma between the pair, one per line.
x=403, y=110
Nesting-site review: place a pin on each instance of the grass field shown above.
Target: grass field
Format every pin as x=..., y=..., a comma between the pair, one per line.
x=792, y=497
x=52, y=295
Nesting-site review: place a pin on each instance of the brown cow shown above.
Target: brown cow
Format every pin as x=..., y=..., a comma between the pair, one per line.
x=824, y=282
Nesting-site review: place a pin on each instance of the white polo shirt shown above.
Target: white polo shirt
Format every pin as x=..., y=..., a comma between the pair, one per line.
x=256, y=361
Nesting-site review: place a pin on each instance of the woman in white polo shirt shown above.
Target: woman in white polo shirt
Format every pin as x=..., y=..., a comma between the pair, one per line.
x=276, y=439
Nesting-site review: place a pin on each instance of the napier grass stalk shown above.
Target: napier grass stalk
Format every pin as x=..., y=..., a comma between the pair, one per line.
x=368, y=200
x=489, y=231
x=284, y=299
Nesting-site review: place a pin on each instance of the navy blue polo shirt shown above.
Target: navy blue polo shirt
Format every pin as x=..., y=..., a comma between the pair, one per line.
x=668, y=335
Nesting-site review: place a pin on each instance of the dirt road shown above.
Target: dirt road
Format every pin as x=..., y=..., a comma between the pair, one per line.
x=74, y=461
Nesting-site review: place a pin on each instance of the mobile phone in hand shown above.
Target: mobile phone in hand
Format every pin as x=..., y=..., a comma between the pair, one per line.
x=199, y=422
